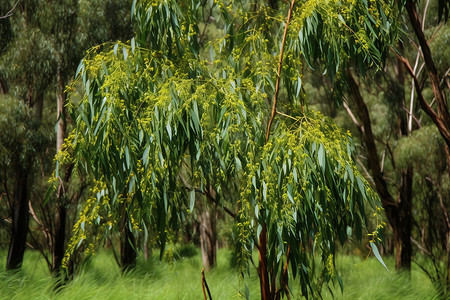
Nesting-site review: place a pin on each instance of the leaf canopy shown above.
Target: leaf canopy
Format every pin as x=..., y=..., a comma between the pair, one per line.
x=168, y=100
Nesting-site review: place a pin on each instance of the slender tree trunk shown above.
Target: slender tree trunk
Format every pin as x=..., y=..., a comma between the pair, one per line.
x=59, y=239
x=405, y=216
x=20, y=221
x=263, y=271
x=128, y=252
x=207, y=219
x=60, y=111
x=59, y=234
x=207, y=229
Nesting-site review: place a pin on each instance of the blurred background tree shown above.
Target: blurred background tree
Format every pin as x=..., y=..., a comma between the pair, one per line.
x=41, y=47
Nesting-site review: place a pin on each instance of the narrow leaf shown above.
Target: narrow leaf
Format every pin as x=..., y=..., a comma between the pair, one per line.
x=191, y=200
x=377, y=254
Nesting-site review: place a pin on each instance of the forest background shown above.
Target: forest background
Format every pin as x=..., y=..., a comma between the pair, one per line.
x=182, y=133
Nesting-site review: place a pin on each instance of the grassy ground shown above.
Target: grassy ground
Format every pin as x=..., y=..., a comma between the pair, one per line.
x=182, y=280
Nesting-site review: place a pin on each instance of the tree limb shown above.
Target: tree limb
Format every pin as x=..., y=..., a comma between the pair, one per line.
x=438, y=121
x=280, y=65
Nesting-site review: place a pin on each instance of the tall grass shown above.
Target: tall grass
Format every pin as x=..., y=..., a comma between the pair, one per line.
x=101, y=279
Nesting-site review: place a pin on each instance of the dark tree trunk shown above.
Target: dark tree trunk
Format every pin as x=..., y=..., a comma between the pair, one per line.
x=128, y=252
x=263, y=272
x=207, y=219
x=398, y=213
x=59, y=240
x=3, y=86
x=20, y=221
x=405, y=216
x=60, y=221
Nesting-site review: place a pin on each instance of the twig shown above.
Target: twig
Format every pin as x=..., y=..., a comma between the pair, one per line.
x=204, y=284
x=9, y=13
x=280, y=65
x=352, y=116
x=207, y=194
x=287, y=116
x=424, y=105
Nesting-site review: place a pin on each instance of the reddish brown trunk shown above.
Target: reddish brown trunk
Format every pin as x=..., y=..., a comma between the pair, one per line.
x=263, y=271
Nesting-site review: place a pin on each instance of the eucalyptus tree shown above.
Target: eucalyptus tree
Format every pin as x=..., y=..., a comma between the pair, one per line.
x=22, y=43
x=392, y=118
x=230, y=109
x=40, y=49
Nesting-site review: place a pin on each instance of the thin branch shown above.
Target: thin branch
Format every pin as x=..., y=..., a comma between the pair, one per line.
x=214, y=200
x=280, y=65
x=207, y=194
x=413, y=117
x=287, y=116
x=352, y=116
x=418, y=245
x=366, y=172
x=424, y=105
x=10, y=12
x=442, y=108
x=44, y=230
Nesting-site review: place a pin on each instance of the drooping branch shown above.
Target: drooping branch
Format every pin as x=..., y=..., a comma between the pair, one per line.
x=280, y=66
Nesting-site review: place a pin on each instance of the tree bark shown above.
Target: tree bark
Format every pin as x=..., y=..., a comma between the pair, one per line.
x=128, y=254
x=207, y=219
x=59, y=234
x=263, y=271
x=429, y=63
x=207, y=230
x=60, y=111
x=397, y=213
x=20, y=221
x=405, y=217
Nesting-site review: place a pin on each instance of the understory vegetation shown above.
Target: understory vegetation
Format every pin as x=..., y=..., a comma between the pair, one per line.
x=181, y=279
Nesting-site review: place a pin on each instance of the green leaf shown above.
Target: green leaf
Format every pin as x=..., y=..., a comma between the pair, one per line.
x=264, y=191
x=350, y=173
x=377, y=254
x=145, y=155
x=195, y=117
x=361, y=187
x=133, y=44
x=169, y=131
x=127, y=157
x=321, y=155
x=294, y=174
x=125, y=53
x=191, y=200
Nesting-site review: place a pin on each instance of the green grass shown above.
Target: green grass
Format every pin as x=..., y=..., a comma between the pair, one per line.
x=160, y=280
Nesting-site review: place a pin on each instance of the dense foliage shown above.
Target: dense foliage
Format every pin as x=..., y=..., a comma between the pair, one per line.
x=210, y=109
x=163, y=102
